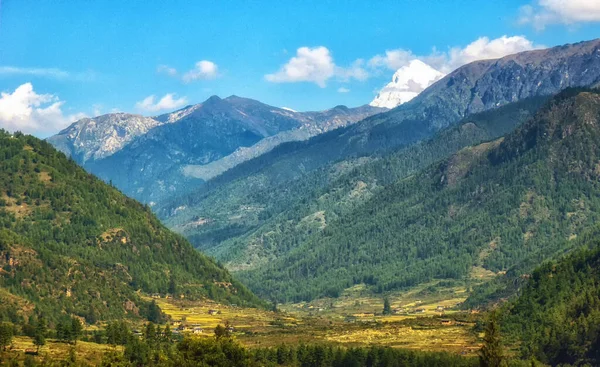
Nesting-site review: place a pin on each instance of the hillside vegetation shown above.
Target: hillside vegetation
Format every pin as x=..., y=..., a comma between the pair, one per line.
x=557, y=316
x=251, y=219
x=70, y=243
x=508, y=203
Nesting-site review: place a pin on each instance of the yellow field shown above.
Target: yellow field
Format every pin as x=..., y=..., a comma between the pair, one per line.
x=90, y=353
x=352, y=319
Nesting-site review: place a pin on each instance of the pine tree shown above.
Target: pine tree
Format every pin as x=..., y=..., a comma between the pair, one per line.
x=172, y=286
x=39, y=339
x=167, y=334
x=491, y=354
x=6, y=335
x=76, y=329
x=387, y=307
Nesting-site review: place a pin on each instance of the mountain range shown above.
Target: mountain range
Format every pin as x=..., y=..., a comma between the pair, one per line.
x=168, y=154
x=291, y=200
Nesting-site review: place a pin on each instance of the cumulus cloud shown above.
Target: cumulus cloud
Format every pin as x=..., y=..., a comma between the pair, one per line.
x=27, y=111
x=568, y=12
x=167, y=102
x=343, y=90
x=316, y=65
x=203, y=70
x=482, y=48
x=50, y=73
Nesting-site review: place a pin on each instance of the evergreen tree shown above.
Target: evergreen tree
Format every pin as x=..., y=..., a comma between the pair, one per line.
x=154, y=313
x=39, y=339
x=6, y=334
x=167, y=334
x=387, y=308
x=491, y=354
x=76, y=329
x=172, y=286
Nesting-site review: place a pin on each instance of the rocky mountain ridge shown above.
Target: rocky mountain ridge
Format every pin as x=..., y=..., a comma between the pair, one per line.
x=166, y=153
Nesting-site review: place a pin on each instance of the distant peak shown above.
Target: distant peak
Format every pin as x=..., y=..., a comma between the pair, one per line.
x=214, y=98
x=407, y=82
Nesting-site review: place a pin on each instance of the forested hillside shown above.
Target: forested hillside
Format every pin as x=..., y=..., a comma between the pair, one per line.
x=70, y=243
x=261, y=215
x=557, y=316
x=495, y=205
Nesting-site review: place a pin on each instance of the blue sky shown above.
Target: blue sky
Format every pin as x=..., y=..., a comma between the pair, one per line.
x=91, y=57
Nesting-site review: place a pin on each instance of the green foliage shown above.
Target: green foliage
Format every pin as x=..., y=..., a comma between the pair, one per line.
x=557, y=316
x=502, y=205
x=71, y=244
x=491, y=354
x=69, y=329
x=387, y=307
x=39, y=338
x=280, y=205
x=6, y=334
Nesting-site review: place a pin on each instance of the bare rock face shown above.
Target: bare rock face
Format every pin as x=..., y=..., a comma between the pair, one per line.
x=102, y=136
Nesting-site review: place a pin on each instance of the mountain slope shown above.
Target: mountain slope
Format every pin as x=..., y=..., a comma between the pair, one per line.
x=102, y=136
x=493, y=205
x=168, y=154
x=249, y=221
x=557, y=315
x=476, y=87
x=71, y=243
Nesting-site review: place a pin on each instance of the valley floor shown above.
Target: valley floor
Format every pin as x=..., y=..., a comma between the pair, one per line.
x=354, y=319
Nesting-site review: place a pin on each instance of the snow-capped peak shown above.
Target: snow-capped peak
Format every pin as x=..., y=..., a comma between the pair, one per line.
x=288, y=109
x=406, y=84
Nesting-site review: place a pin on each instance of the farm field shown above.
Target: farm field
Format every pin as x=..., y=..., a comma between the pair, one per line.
x=354, y=319
x=53, y=350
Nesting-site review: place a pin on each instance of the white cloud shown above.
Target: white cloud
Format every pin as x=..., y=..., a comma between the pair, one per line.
x=51, y=73
x=567, y=12
x=309, y=65
x=167, y=102
x=482, y=48
x=393, y=59
x=32, y=113
x=165, y=69
x=343, y=90
x=203, y=70
x=316, y=65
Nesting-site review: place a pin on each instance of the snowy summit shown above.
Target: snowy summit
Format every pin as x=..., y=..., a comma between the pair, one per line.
x=406, y=84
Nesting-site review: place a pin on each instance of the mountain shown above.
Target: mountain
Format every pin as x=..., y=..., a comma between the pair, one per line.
x=168, y=154
x=556, y=318
x=244, y=221
x=501, y=204
x=69, y=243
x=407, y=82
x=315, y=123
x=237, y=203
x=476, y=87
x=102, y=136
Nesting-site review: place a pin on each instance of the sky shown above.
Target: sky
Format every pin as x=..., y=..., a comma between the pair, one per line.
x=61, y=60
